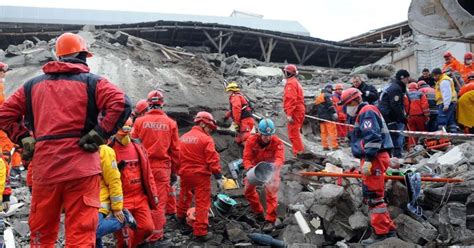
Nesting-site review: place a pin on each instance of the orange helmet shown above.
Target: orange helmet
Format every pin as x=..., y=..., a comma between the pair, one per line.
x=421, y=83
x=412, y=86
x=290, y=70
x=4, y=67
x=350, y=95
x=141, y=107
x=126, y=128
x=447, y=54
x=69, y=43
x=206, y=118
x=156, y=97
x=339, y=87
x=468, y=55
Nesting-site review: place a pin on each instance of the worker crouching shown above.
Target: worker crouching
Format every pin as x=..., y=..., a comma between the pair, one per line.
x=240, y=112
x=371, y=143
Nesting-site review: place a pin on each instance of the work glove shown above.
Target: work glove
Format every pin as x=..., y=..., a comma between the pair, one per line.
x=220, y=183
x=334, y=117
x=445, y=108
x=119, y=215
x=366, y=167
x=156, y=200
x=28, y=144
x=236, y=127
x=289, y=119
x=5, y=206
x=91, y=141
x=367, y=93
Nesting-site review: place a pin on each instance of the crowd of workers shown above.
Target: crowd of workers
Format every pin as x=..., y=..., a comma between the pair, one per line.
x=113, y=171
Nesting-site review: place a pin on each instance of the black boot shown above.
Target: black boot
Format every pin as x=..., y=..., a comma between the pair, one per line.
x=204, y=238
x=378, y=238
x=268, y=227
x=184, y=228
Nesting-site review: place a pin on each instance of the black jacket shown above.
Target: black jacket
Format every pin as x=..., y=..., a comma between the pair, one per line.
x=369, y=93
x=430, y=80
x=391, y=102
x=325, y=108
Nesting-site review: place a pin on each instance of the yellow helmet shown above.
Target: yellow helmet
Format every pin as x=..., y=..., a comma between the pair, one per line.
x=229, y=183
x=232, y=86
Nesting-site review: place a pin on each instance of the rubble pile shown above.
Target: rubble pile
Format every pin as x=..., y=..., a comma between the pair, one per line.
x=194, y=80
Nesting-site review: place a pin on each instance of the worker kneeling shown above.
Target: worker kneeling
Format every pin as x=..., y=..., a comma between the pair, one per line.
x=138, y=185
x=199, y=160
x=371, y=143
x=264, y=147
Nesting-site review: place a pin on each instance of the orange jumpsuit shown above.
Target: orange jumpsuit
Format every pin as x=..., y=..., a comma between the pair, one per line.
x=341, y=117
x=255, y=152
x=199, y=160
x=159, y=135
x=455, y=65
x=293, y=105
x=418, y=111
x=466, y=69
x=241, y=114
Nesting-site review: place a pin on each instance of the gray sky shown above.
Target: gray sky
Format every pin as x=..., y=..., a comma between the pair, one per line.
x=326, y=19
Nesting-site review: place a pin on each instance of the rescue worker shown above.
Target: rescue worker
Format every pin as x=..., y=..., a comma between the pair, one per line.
x=199, y=160
x=427, y=77
x=391, y=107
x=369, y=92
x=159, y=136
x=111, y=197
x=65, y=141
x=465, y=109
x=240, y=112
x=138, y=186
x=327, y=111
x=429, y=92
x=418, y=111
x=371, y=143
x=341, y=114
x=140, y=109
x=451, y=63
x=264, y=146
x=294, y=107
x=468, y=67
x=446, y=98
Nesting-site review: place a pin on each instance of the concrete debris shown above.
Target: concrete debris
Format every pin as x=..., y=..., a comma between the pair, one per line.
x=358, y=221
x=375, y=70
x=342, y=158
x=262, y=72
x=329, y=194
x=414, y=231
x=393, y=243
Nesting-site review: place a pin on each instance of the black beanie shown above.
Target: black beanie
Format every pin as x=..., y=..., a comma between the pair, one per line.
x=401, y=74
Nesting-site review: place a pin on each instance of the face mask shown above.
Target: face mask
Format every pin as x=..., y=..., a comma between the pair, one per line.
x=469, y=61
x=351, y=110
x=125, y=140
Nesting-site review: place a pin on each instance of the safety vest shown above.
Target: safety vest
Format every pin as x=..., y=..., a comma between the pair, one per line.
x=438, y=95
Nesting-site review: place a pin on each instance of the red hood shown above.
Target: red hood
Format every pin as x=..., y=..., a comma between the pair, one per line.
x=64, y=67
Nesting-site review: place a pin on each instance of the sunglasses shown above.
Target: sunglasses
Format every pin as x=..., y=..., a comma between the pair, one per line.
x=126, y=129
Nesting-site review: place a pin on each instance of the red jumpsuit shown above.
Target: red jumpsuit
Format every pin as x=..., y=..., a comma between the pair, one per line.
x=341, y=117
x=294, y=107
x=418, y=111
x=65, y=176
x=255, y=152
x=241, y=114
x=139, y=192
x=199, y=159
x=159, y=135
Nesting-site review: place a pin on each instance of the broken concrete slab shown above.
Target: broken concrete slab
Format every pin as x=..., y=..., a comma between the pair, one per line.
x=453, y=158
x=324, y=212
x=393, y=243
x=262, y=72
x=235, y=233
x=306, y=199
x=329, y=194
x=358, y=221
x=342, y=159
x=453, y=213
x=413, y=231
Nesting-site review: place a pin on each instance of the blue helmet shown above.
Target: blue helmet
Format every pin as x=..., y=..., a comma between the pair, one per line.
x=266, y=127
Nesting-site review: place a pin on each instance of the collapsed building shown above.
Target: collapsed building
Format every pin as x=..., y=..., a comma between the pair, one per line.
x=193, y=77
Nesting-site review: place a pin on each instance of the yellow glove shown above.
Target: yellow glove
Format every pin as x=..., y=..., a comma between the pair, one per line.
x=366, y=167
x=236, y=127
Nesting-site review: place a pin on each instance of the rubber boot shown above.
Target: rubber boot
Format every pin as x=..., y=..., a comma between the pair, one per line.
x=377, y=238
x=204, y=238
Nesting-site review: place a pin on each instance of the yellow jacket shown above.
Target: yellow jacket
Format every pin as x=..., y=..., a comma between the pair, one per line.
x=111, y=196
x=438, y=92
x=465, y=109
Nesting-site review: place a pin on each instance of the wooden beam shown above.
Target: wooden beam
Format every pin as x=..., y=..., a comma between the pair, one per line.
x=263, y=47
x=329, y=58
x=305, y=58
x=295, y=52
x=271, y=46
x=226, y=41
x=342, y=55
x=211, y=39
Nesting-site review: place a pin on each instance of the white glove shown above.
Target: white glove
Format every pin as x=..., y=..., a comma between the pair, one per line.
x=366, y=167
x=334, y=117
x=367, y=93
x=6, y=206
x=289, y=119
x=220, y=183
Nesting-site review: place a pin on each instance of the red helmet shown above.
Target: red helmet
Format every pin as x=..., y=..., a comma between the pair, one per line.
x=69, y=43
x=468, y=55
x=339, y=87
x=156, y=97
x=4, y=67
x=206, y=118
x=290, y=70
x=141, y=107
x=447, y=54
x=412, y=86
x=350, y=95
x=421, y=83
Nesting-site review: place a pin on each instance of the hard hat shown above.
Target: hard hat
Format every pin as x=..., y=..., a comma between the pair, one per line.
x=412, y=86
x=126, y=128
x=229, y=183
x=4, y=67
x=350, y=95
x=329, y=86
x=421, y=83
x=232, y=86
x=69, y=43
x=447, y=54
x=290, y=70
x=339, y=87
x=141, y=107
x=266, y=127
x=156, y=97
x=468, y=55
x=206, y=118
